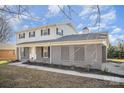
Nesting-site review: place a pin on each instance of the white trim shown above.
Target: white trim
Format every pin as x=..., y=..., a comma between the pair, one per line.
x=19, y=53
x=79, y=42
x=47, y=52
x=16, y=52
x=50, y=55
x=106, y=54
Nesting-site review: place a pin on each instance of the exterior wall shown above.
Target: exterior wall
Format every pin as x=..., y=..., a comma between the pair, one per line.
x=67, y=30
x=91, y=52
x=91, y=55
x=7, y=55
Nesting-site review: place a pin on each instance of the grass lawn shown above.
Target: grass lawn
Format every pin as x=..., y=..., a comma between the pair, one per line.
x=13, y=76
x=117, y=60
x=3, y=62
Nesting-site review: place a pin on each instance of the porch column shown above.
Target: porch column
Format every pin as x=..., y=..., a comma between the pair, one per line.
x=19, y=52
x=50, y=55
x=33, y=53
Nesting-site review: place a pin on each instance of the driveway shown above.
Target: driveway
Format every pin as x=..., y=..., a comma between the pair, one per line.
x=116, y=68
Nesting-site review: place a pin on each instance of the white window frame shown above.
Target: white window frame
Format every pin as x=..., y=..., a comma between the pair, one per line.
x=22, y=35
x=32, y=34
x=45, y=50
x=45, y=32
x=59, y=32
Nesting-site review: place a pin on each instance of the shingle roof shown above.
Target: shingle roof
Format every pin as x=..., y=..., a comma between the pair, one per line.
x=89, y=36
x=83, y=37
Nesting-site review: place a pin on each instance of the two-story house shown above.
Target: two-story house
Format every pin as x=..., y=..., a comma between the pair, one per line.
x=61, y=44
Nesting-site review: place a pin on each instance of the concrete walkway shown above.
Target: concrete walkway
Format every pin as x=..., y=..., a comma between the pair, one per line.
x=69, y=72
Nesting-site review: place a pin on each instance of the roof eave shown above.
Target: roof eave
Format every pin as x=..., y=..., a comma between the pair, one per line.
x=77, y=42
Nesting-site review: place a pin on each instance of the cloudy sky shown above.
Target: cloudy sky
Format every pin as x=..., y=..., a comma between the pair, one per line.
x=112, y=19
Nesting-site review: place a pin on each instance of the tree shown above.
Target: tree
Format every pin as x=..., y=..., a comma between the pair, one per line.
x=68, y=11
x=120, y=48
x=111, y=51
x=120, y=45
x=5, y=30
x=19, y=11
x=6, y=13
x=116, y=51
x=12, y=11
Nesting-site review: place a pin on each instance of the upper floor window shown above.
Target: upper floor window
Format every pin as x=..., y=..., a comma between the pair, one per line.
x=22, y=35
x=45, y=32
x=32, y=34
x=59, y=32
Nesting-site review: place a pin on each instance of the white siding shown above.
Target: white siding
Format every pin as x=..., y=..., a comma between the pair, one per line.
x=67, y=30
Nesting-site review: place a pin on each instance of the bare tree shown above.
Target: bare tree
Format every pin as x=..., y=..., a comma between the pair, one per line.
x=5, y=30
x=68, y=11
x=20, y=11
x=6, y=13
x=120, y=45
x=17, y=11
x=10, y=12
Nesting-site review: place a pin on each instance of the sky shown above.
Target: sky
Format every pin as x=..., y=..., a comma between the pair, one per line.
x=112, y=19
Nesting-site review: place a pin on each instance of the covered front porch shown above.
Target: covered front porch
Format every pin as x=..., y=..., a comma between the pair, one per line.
x=79, y=53
x=34, y=53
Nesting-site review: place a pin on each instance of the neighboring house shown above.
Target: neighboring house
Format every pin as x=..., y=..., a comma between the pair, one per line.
x=7, y=51
x=61, y=44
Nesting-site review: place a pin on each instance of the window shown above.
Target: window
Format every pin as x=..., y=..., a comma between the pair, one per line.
x=46, y=52
x=19, y=36
x=48, y=31
x=59, y=32
x=79, y=53
x=23, y=51
x=65, y=52
x=22, y=35
x=45, y=32
x=32, y=34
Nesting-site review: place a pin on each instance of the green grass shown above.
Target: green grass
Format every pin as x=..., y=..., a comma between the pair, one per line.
x=13, y=76
x=117, y=60
x=4, y=62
